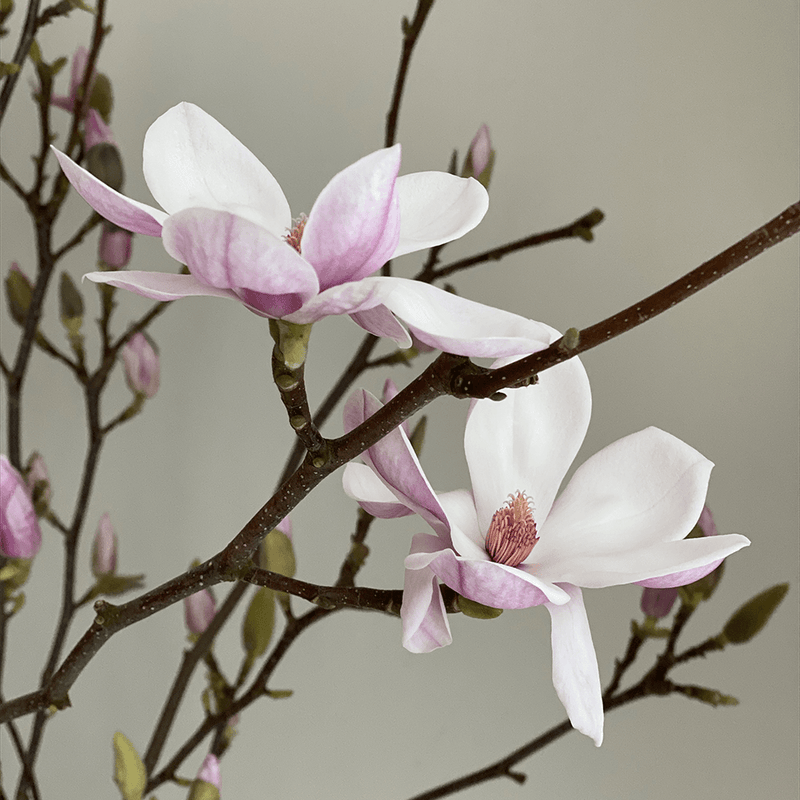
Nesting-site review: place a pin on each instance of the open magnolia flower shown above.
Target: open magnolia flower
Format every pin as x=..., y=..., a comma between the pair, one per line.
x=226, y=218
x=510, y=543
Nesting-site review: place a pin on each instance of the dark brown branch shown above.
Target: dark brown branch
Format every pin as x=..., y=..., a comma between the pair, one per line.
x=448, y=374
x=23, y=48
x=786, y=224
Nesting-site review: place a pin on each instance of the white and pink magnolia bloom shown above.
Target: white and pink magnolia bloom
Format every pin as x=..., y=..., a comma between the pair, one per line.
x=226, y=218
x=511, y=543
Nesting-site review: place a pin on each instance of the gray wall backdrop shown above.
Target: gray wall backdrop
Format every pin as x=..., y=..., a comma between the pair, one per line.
x=679, y=120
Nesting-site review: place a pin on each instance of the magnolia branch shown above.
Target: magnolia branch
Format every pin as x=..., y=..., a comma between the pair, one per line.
x=448, y=374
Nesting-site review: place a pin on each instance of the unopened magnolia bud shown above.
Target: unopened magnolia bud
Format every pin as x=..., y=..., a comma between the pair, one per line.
x=115, y=247
x=657, y=603
x=130, y=774
x=104, y=548
x=38, y=482
x=258, y=623
x=20, y=536
x=19, y=293
x=471, y=608
x=277, y=553
x=105, y=163
x=480, y=158
x=101, y=97
x=96, y=131
x=142, y=365
x=70, y=303
x=754, y=615
x=199, y=609
x=208, y=782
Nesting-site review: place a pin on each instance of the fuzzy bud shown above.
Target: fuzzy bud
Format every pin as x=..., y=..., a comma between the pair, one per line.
x=115, y=247
x=199, y=609
x=38, y=482
x=208, y=782
x=142, y=366
x=104, y=548
x=19, y=293
x=480, y=158
x=20, y=536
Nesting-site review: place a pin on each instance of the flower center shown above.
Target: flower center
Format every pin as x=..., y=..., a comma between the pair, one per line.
x=296, y=233
x=512, y=532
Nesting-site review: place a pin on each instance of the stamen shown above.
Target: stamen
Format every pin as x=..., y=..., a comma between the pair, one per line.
x=512, y=532
x=296, y=233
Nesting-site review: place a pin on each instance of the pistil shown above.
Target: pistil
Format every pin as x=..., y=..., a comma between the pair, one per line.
x=512, y=532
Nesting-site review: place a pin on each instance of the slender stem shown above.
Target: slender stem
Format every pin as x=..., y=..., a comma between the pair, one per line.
x=23, y=47
x=581, y=228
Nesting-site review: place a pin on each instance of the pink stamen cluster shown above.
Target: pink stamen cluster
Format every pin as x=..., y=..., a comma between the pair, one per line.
x=512, y=532
x=296, y=233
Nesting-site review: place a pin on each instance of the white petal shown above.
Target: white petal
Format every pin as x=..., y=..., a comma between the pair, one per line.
x=639, y=491
x=191, y=161
x=527, y=442
x=436, y=207
x=425, y=624
x=576, y=677
x=372, y=494
x=159, y=285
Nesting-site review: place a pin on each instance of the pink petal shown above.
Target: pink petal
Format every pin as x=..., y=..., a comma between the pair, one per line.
x=576, y=677
x=675, y=579
x=353, y=227
x=436, y=208
x=190, y=160
x=425, y=624
x=230, y=252
x=487, y=582
x=364, y=486
x=121, y=210
x=642, y=490
x=396, y=463
x=159, y=285
x=527, y=442
x=379, y=321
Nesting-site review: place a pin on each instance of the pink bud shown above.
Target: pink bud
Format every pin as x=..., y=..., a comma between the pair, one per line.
x=658, y=603
x=96, y=131
x=210, y=772
x=115, y=246
x=142, y=369
x=199, y=609
x=104, y=548
x=20, y=536
x=706, y=522
x=480, y=149
x=79, y=62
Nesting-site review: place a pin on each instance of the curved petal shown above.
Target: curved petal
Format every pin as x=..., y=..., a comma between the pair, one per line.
x=365, y=487
x=396, y=463
x=576, y=677
x=486, y=582
x=353, y=227
x=190, y=160
x=379, y=321
x=158, y=285
x=646, y=488
x=659, y=564
x=425, y=624
x=230, y=252
x=435, y=208
x=466, y=535
x=527, y=442
x=349, y=298
x=457, y=325
x=121, y=210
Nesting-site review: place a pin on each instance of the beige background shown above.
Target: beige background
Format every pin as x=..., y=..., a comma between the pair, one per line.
x=679, y=120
